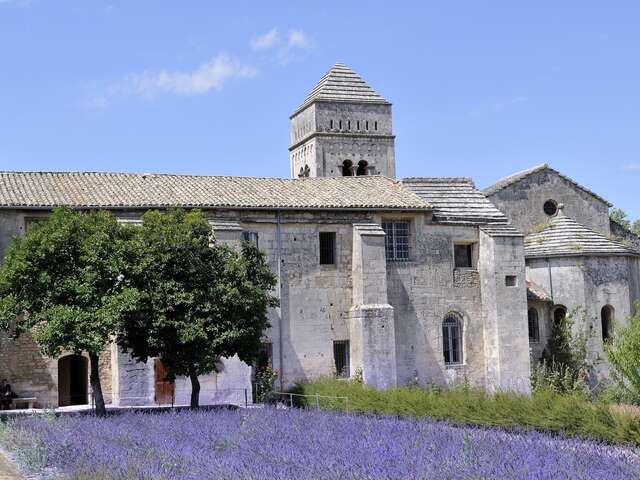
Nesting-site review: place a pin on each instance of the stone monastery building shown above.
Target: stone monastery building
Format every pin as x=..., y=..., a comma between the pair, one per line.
x=397, y=280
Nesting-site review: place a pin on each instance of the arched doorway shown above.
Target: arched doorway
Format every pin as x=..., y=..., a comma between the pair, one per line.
x=606, y=319
x=73, y=374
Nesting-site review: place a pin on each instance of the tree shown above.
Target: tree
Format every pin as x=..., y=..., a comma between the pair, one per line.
x=635, y=228
x=620, y=216
x=199, y=300
x=623, y=352
x=61, y=281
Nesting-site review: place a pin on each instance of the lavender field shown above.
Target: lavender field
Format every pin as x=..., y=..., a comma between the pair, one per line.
x=301, y=444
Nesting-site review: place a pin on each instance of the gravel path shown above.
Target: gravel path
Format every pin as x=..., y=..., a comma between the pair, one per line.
x=7, y=470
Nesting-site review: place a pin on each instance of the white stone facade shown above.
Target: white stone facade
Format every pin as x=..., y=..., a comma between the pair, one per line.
x=428, y=280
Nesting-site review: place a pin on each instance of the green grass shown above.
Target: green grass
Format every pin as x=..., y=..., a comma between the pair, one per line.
x=547, y=411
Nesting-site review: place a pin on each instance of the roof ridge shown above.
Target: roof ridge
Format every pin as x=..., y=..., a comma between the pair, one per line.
x=516, y=177
x=192, y=175
x=468, y=180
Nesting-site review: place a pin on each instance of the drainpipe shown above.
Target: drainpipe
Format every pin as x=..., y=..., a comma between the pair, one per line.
x=550, y=280
x=280, y=322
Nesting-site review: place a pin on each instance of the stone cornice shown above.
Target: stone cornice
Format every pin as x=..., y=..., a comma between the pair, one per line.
x=340, y=135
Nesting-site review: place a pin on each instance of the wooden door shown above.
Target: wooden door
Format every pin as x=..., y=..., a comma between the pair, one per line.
x=164, y=389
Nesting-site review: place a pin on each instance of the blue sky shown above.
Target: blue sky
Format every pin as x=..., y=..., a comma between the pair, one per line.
x=480, y=89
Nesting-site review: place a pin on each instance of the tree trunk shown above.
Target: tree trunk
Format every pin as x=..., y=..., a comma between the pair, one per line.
x=195, y=389
x=96, y=387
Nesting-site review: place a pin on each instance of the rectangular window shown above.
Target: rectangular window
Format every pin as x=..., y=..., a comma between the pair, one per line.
x=31, y=221
x=327, y=248
x=463, y=255
x=250, y=237
x=265, y=357
x=341, y=357
x=510, y=281
x=396, y=241
x=451, y=341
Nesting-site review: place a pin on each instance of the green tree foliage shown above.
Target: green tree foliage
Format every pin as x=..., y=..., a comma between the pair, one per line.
x=620, y=216
x=623, y=352
x=62, y=282
x=198, y=300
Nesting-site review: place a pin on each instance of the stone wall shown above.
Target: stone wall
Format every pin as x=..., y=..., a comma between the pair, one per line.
x=523, y=202
x=326, y=134
x=592, y=283
x=625, y=236
x=422, y=292
x=317, y=303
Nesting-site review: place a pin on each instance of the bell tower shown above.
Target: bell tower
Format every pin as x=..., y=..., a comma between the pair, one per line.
x=343, y=128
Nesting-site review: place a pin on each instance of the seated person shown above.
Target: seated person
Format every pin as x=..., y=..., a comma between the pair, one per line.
x=6, y=394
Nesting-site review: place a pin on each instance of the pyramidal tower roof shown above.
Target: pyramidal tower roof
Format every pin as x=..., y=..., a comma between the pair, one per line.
x=341, y=84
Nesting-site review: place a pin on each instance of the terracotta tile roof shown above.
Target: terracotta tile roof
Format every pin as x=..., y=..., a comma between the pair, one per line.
x=341, y=84
x=536, y=292
x=516, y=177
x=564, y=237
x=455, y=200
x=135, y=190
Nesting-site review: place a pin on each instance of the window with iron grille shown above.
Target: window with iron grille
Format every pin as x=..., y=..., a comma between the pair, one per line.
x=534, y=327
x=250, y=237
x=452, y=340
x=463, y=255
x=396, y=240
x=327, y=248
x=341, y=357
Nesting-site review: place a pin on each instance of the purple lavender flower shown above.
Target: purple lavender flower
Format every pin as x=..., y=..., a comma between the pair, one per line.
x=299, y=444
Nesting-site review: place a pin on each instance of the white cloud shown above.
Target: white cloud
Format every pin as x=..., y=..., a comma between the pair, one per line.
x=266, y=41
x=209, y=76
x=298, y=39
x=631, y=167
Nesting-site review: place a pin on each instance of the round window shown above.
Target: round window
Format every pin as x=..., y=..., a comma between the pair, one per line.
x=550, y=207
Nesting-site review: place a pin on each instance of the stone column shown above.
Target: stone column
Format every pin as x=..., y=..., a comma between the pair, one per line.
x=371, y=320
x=504, y=312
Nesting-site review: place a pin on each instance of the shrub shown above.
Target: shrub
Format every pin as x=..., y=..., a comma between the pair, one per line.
x=623, y=352
x=544, y=410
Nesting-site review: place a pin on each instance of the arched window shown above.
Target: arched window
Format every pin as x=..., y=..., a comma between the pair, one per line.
x=347, y=168
x=339, y=124
x=452, y=339
x=362, y=168
x=331, y=124
x=307, y=171
x=534, y=326
x=301, y=173
x=559, y=314
x=606, y=318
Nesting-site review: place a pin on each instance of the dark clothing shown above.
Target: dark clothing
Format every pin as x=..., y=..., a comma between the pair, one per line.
x=6, y=395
